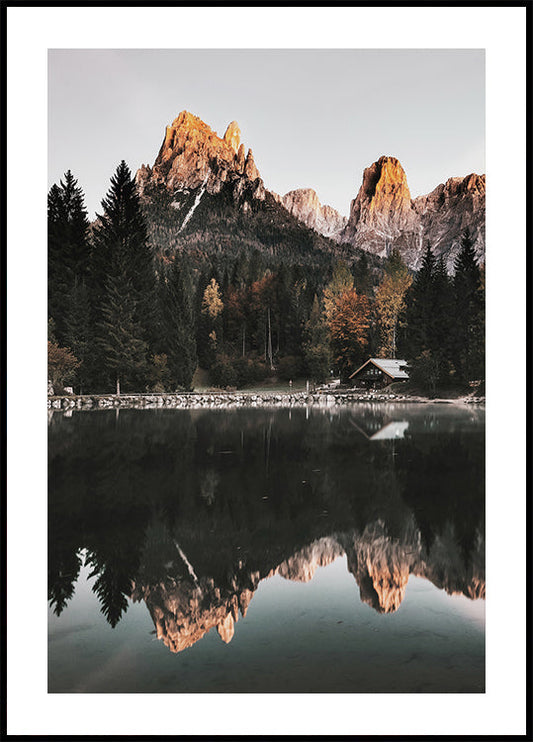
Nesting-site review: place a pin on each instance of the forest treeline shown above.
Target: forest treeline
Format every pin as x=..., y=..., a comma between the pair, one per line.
x=128, y=313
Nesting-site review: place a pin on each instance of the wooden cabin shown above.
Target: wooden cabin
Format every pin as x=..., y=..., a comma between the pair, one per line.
x=377, y=373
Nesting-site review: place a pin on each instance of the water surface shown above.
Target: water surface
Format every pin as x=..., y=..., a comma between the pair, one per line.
x=267, y=550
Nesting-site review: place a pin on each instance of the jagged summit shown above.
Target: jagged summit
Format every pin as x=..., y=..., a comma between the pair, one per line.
x=194, y=160
x=184, y=611
x=193, y=156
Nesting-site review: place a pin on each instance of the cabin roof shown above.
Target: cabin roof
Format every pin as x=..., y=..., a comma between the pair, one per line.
x=394, y=367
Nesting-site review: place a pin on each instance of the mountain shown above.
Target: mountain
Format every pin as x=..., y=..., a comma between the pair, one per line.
x=448, y=210
x=204, y=194
x=201, y=185
x=193, y=157
x=303, y=203
x=184, y=609
x=383, y=215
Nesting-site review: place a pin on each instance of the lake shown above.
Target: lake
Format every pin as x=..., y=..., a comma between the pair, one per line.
x=304, y=550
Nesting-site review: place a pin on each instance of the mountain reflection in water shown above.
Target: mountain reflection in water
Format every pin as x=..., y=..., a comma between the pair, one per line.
x=189, y=510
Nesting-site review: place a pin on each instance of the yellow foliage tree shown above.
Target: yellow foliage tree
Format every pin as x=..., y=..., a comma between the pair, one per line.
x=390, y=300
x=212, y=304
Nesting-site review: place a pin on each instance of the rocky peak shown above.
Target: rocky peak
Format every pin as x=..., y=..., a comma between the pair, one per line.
x=193, y=156
x=240, y=159
x=250, y=170
x=303, y=203
x=383, y=215
x=233, y=136
x=384, y=194
x=381, y=566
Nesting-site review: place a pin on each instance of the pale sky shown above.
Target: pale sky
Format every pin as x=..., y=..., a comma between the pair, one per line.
x=313, y=118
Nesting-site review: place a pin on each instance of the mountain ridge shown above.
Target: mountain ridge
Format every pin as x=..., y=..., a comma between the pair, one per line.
x=194, y=160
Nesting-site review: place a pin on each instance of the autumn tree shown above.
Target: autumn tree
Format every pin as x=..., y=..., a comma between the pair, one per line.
x=210, y=325
x=62, y=364
x=212, y=304
x=349, y=323
x=341, y=282
x=390, y=302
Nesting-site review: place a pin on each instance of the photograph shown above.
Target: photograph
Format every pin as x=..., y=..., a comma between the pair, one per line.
x=265, y=269
x=266, y=371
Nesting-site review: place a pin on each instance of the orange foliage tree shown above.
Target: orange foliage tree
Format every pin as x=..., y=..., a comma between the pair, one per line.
x=349, y=323
x=62, y=364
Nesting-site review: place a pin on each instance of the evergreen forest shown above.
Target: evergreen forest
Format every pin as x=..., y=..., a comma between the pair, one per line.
x=137, y=304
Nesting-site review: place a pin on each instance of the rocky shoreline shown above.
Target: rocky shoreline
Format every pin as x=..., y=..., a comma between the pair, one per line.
x=223, y=400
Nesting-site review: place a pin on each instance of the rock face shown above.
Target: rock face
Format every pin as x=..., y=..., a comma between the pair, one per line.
x=381, y=566
x=382, y=211
x=183, y=612
x=184, y=609
x=448, y=210
x=303, y=203
x=193, y=157
x=383, y=215
x=194, y=160
x=302, y=566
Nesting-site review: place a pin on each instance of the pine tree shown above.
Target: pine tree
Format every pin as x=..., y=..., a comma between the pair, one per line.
x=68, y=248
x=122, y=348
x=417, y=317
x=469, y=332
x=75, y=216
x=121, y=260
x=443, y=320
x=79, y=333
x=178, y=324
x=58, y=277
x=112, y=586
x=121, y=243
x=316, y=347
x=363, y=276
